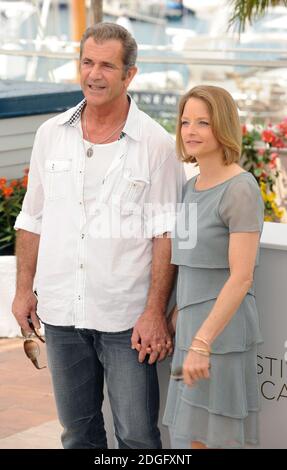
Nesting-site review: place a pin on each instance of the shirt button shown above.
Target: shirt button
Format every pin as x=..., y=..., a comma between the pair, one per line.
x=81, y=266
x=79, y=297
x=80, y=202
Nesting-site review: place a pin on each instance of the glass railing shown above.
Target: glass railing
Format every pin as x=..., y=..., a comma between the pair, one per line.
x=256, y=78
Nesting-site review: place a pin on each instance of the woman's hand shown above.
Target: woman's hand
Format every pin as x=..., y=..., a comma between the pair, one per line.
x=196, y=366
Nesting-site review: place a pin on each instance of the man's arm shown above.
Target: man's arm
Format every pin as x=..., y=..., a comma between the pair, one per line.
x=25, y=302
x=150, y=333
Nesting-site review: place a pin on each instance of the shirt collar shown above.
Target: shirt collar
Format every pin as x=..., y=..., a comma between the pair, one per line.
x=132, y=127
x=73, y=115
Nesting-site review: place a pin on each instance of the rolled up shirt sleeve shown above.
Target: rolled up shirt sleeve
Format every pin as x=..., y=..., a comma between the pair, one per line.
x=30, y=216
x=165, y=192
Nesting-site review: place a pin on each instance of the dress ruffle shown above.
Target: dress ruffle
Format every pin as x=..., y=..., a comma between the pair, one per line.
x=221, y=411
x=241, y=333
x=192, y=282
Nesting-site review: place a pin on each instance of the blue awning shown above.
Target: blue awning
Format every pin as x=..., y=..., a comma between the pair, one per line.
x=19, y=98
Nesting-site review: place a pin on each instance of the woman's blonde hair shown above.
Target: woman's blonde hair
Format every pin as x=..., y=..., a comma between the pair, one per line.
x=224, y=121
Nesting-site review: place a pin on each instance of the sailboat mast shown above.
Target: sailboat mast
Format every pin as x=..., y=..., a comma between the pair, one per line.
x=78, y=15
x=96, y=11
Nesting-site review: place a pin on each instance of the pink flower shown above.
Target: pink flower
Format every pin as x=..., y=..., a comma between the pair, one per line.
x=278, y=143
x=282, y=127
x=268, y=136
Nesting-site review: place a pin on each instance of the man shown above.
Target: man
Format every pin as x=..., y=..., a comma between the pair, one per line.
x=102, y=287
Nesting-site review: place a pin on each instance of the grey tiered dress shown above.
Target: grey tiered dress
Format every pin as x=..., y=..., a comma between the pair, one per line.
x=221, y=411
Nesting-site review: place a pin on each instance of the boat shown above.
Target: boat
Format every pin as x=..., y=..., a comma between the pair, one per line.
x=174, y=10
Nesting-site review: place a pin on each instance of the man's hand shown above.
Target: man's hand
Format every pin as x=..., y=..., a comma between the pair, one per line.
x=24, y=307
x=151, y=336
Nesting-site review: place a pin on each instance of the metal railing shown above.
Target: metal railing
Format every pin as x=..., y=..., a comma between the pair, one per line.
x=159, y=59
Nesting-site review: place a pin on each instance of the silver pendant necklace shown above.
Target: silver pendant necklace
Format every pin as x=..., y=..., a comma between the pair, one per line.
x=90, y=150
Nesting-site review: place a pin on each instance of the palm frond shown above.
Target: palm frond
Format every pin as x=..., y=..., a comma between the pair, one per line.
x=249, y=10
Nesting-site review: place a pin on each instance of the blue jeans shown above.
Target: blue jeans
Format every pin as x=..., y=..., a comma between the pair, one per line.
x=79, y=360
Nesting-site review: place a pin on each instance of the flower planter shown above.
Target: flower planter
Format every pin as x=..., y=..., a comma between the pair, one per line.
x=8, y=325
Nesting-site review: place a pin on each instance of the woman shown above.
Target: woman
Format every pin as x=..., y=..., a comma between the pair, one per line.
x=217, y=330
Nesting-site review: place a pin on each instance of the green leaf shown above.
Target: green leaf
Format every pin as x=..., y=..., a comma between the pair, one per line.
x=245, y=11
x=258, y=171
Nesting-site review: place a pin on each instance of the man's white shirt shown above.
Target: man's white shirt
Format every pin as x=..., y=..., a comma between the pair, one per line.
x=96, y=227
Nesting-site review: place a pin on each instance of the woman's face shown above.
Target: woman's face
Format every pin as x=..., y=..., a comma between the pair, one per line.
x=196, y=132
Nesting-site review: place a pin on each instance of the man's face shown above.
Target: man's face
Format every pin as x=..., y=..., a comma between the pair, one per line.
x=103, y=78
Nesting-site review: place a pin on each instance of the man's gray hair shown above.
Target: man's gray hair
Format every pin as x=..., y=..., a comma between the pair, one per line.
x=102, y=32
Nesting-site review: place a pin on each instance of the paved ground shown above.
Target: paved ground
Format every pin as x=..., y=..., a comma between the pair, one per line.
x=28, y=417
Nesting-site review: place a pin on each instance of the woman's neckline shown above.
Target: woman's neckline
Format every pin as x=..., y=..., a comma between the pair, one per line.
x=216, y=185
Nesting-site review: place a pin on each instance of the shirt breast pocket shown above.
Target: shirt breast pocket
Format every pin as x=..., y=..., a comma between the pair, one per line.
x=57, y=177
x=131, y=193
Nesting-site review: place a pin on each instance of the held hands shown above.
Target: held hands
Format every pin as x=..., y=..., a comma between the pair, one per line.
x=24, y=307
x=197, y=362
x=151, y=336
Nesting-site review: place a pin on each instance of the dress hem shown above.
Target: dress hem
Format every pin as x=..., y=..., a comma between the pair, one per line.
x=220, y=412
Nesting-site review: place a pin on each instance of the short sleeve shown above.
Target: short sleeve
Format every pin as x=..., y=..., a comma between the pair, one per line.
x=241, y=207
